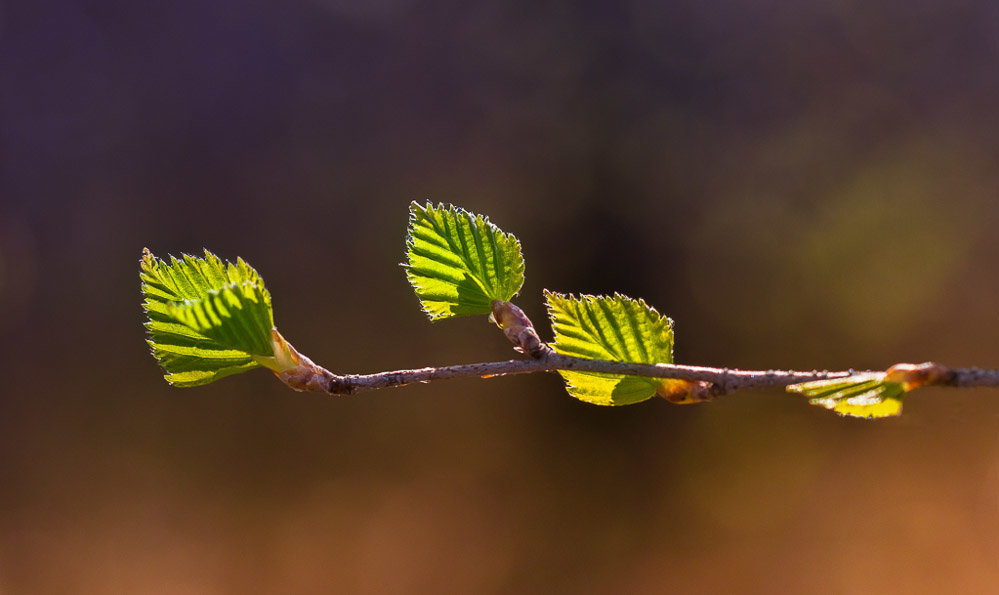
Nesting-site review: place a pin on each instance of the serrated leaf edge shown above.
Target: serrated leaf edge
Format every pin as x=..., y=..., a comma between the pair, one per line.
x=475, y=218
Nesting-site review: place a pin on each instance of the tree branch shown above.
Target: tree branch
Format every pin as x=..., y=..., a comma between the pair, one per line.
x=694, y=383
x=727, y=380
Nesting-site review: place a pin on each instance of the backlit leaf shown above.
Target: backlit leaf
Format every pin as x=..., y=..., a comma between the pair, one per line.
x=459, y=262
x=206, y=319
x=617, y=328
x=867, y=395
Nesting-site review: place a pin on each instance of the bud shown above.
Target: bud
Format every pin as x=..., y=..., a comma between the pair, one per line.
x=518, y=328
x=685, y=392
x=912, y=376
x=294, y=369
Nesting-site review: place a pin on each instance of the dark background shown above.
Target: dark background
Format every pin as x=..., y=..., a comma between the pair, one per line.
x=798, y=184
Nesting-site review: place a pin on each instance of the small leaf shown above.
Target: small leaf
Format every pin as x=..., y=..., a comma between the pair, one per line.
x=206, y=319
x=867, y=395
x=459, y=262
x=617, y=328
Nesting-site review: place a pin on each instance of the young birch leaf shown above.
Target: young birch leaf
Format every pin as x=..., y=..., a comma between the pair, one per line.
x=238, y=316
x=459, y=262
x=617, y=328
x=867, y=395
x=206, y=319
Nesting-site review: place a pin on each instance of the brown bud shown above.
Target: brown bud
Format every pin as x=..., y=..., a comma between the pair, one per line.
x=917, y=375
x=518, y=328
x=685, y=392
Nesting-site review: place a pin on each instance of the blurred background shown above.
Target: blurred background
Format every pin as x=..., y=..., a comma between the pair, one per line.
x=798, y=184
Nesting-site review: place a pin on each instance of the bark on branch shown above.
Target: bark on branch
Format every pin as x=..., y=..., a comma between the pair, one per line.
x=695, y=383
x=727, y=380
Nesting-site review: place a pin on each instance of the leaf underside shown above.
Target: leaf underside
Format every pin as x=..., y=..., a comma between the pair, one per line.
x=206, y=319
x=866, y=395
x=616, y=328
x=459, y=262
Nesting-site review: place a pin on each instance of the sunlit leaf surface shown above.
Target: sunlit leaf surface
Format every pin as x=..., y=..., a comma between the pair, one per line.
x=866, y=395
x=206, y=319
x=459, y=262
x=616, y=328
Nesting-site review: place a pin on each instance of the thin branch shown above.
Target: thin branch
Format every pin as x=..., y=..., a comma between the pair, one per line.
x=727, y=380
x=695, y=383
x=968, y=377
x=698, y=383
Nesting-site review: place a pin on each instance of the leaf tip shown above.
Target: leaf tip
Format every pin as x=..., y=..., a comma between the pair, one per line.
x=148, y=261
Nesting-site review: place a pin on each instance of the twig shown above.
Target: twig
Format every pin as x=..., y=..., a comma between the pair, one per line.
x=694, y=383
x=727, y=380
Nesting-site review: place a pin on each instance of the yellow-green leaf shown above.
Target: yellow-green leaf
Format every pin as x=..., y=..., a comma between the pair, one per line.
x=867, y=395
x=459, y=262
x=619, y=329
x=206, y=319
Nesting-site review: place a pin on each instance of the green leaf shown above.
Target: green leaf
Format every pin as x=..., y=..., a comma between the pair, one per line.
x=206, y=319
x=459, y=262
x=617, y=328
x=866, y=395
x=238, y=316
